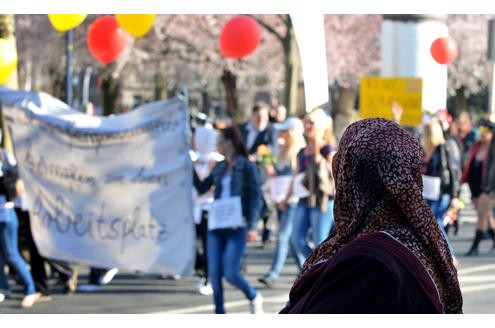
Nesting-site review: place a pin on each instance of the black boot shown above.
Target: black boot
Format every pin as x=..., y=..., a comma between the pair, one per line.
x=491, y=232
x=474, y=248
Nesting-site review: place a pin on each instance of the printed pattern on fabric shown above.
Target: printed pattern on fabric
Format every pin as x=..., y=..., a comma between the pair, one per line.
x=377, y=172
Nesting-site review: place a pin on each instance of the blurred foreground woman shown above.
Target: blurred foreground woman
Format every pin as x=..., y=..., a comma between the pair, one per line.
x=387, y=253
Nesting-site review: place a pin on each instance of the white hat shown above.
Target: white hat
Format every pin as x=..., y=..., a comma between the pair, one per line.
x=290, y=123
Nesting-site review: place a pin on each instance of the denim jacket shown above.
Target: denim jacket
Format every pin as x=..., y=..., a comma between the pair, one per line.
x=245, y=183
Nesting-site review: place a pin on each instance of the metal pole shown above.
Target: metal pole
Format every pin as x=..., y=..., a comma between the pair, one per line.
x=85, y=88
x=491, y=102
x=491, y=57
x=68, y=67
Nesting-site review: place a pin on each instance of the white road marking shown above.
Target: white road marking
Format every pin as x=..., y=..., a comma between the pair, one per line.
x=476, y=269
x=477, y=278
x=477, y=288
x=280, y=299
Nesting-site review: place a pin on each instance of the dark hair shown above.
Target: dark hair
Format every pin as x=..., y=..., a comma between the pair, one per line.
x=486, y=123
x=260, y=105
x=232, y=133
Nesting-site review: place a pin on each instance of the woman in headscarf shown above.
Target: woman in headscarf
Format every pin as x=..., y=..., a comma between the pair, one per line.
x=387, y=253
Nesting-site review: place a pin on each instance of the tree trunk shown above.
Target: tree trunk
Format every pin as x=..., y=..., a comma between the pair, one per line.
x=110, y=91
x=7, y=29
x=291, y=70
x=205, y=101
x=229, y=81
x=160, y=89
x=57, y=83
x=460, y=101
x=345, y=112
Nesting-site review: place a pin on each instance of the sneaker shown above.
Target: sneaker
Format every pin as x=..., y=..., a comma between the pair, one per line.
x=169, y=277
x=29, y=300
x=2, y=297
x=268, y=281
x=108, y=276
x=206, y=289
x=70, y=285
x=89, y=288
x=45, y=298
x=256, y=304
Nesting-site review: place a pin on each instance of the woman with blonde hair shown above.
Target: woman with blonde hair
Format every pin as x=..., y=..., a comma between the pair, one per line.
x=314, y=211
x=290, y=141
x=441, y=187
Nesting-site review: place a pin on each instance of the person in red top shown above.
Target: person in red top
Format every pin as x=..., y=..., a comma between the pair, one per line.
x=475, y=173
x=387, y=253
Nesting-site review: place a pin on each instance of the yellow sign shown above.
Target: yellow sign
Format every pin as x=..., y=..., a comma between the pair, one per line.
x=378, y=94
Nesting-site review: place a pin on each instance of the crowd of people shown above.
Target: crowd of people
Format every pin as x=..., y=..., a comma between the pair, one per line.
x=302, y=186
x=364, y=218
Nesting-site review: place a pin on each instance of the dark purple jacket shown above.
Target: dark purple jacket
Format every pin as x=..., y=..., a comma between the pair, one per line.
x=371, y=274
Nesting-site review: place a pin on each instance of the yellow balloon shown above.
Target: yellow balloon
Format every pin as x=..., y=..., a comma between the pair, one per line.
x=136, y=25
x=8, y=59
x=65, y=22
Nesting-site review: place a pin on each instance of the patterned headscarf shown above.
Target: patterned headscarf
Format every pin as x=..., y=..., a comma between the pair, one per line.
x=377, y=171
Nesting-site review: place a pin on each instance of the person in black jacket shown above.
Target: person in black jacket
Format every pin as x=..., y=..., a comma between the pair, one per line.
x=37, y=262
x=439, y=164
x=256, y=132
x=479, y=173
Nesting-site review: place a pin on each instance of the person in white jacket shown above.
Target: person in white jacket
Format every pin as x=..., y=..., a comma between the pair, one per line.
x=204, y=157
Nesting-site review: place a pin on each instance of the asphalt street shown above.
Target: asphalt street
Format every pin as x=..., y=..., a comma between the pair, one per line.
x=131, y=293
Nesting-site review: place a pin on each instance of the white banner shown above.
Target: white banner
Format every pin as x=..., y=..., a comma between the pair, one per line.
x=309, y=28
x=107, y=191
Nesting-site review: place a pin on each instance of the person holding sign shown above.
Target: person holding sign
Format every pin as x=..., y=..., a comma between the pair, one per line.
x=290, y=141
x=315, y=210
x=205, y=158
x=232, y=217
x=441, y=185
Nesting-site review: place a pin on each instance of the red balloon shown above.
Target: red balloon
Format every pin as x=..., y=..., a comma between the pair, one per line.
x=444, y=50
x=106, y=40
x=239, y=37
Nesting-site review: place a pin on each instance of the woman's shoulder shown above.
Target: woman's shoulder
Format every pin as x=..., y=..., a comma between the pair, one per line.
x=368, y=270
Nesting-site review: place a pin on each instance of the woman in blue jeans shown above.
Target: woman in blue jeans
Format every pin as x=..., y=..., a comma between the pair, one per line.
x=236, y=183
x=290, y=141
x=9, y=226
x=314, y=212
x=438, y=162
